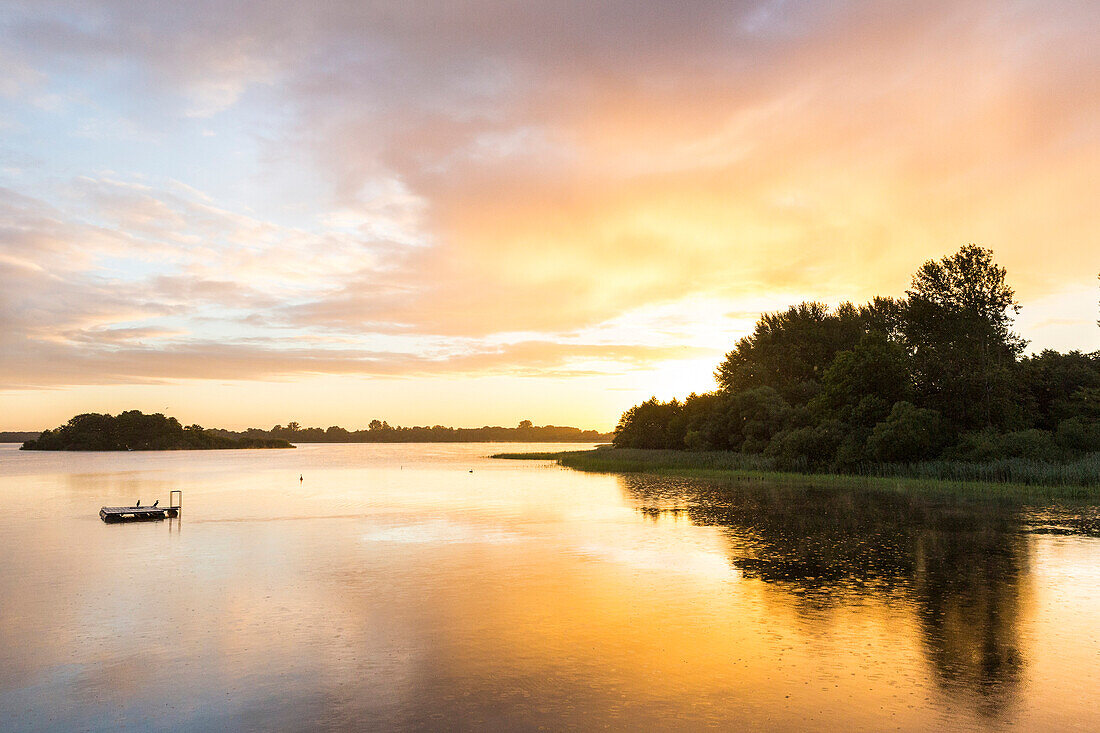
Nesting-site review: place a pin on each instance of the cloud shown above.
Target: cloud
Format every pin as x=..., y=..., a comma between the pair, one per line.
x=16, y=76
x=446, y=188
x=133, y=356
x=831, y=153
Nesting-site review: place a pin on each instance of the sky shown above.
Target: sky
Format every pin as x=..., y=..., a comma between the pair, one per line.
x=477, y=212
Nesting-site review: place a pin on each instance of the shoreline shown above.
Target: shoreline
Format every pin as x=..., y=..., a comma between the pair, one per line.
x=717, y=466
x=177, y=449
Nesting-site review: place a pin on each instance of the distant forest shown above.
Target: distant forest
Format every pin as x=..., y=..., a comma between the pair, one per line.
x=380, y=431
x=17, y=437
x=938, y=375
x=134, y=430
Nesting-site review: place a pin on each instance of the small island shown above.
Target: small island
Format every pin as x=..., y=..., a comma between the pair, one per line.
x=134, y=430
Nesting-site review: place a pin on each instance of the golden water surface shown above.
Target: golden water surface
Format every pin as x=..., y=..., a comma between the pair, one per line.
x=429, y=587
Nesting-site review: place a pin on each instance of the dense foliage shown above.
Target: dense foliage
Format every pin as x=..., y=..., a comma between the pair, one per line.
x=937, y=375
x=134, y=430
x=382, y=432
x=16, y=436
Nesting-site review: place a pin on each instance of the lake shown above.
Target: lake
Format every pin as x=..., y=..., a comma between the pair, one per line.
x=428, y=587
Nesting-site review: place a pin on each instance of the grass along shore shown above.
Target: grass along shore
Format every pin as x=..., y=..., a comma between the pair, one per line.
x=1015, y=478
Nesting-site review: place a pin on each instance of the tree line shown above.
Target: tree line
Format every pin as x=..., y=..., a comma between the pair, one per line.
x=938, y=374
x=16, y=436
x=134, y=430
x=380, y=431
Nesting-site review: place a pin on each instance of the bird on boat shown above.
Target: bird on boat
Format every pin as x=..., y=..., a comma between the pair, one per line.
x=156, y=502
x=138, y=504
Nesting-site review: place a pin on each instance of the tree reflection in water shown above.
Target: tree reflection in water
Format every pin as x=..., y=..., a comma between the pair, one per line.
x=960, y=567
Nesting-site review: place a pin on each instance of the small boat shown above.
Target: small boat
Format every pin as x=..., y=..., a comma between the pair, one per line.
x=144, y=513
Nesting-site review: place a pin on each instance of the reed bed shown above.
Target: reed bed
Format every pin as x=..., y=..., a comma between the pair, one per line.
x=1019, y=478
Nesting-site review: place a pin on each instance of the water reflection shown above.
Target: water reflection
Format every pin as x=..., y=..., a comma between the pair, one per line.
x=396, y=590
x=960, y=568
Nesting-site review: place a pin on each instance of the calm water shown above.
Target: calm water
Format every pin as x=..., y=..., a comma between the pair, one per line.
x=395, y=589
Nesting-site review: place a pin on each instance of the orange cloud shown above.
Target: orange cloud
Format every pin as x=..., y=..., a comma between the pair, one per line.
x=490, y=188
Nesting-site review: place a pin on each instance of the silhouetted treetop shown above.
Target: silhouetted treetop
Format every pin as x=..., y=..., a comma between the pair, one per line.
x=134, y=430
x=937, y=374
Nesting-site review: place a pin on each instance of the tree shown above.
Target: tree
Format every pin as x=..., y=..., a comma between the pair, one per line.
x=134, y=430
x=909, y=433
x=336, y=434
x=650, y=425
x=957, y=326
x=889, y=381
x=789, y=350
x=744, y=421
x=860, y=385
x=1079, y=434
x=1054, y=387
x=810, y=447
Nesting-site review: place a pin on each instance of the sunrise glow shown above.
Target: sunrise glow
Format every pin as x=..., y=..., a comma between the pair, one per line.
x=476, y=213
